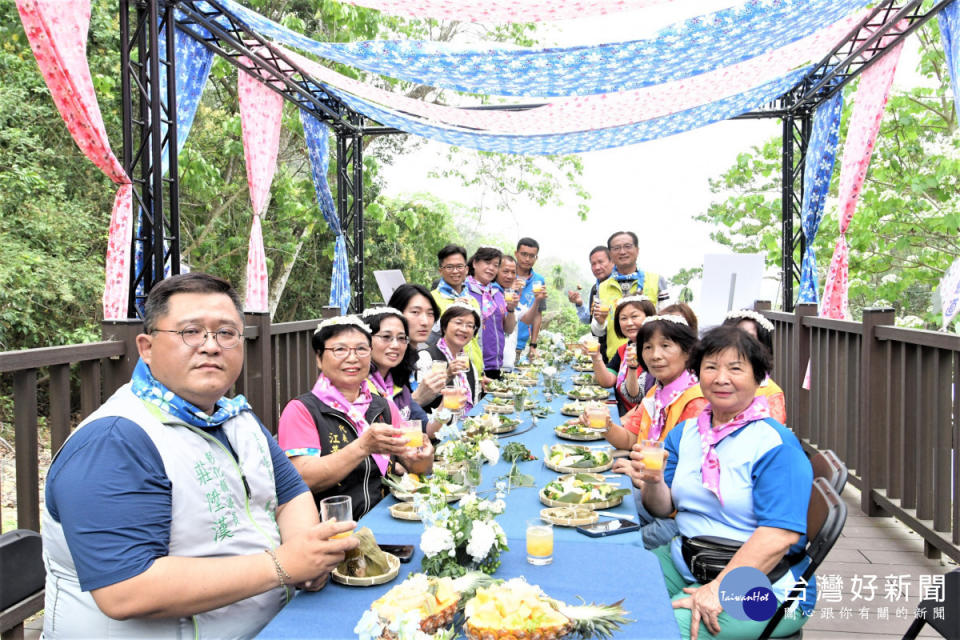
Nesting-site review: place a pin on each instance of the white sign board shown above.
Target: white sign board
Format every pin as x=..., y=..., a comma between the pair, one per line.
x=949, y=292
x=389, y=281
x=730, y=281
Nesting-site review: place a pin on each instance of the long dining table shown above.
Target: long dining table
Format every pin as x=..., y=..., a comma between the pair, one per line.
x=602, y=570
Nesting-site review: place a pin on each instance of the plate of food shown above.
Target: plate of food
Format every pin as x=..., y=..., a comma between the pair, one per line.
x=499, y=405
x=583, y=489
x=573, y=430
x=367, y=564
x=503, y=388
x=406, y=486
x=571, y=516
x=404, y=511
x=584, y=379
x=573, y=408
x=575, y=458
x=492, y=423
x=588, y=392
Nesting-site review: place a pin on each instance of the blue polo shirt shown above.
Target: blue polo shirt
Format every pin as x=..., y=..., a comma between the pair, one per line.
x=527, y=300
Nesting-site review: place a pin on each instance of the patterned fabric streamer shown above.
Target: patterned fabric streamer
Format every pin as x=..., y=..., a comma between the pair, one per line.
x=949, y=19
x=261, y=112
x=688, y=48
x=149, y=389
x=501, y=11
x=869, y=103
x=821, y=154
x=584, y=140
x=317, y=136
x=57, y=31
x=604, y=110
x=759, y=409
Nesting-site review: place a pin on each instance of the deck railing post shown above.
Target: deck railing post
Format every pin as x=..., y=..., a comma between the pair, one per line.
x=798, y=413
x=119, y=369
x=873, y=439
x=259, y=369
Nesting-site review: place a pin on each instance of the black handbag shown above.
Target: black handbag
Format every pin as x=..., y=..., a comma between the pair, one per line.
x=706, y=557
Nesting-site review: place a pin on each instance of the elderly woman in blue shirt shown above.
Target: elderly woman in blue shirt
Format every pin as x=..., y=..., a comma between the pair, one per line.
x=736, y=473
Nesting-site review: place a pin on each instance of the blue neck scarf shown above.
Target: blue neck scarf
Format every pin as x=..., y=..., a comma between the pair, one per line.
x=154, y=392
x=447, y=291
x=628, y=277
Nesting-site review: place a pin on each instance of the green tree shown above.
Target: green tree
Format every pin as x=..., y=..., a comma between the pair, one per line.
x=905, y=232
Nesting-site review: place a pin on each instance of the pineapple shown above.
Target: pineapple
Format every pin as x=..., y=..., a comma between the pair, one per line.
x=515, y=610
x=436, y=600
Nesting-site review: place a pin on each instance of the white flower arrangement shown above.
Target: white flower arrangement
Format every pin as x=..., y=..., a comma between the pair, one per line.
x=490, y=451
x=467, y=538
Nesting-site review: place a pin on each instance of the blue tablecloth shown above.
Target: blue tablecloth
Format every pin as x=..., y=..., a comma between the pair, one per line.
x=601, y=570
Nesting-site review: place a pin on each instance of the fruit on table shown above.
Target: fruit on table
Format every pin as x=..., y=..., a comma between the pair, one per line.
x=434, y=599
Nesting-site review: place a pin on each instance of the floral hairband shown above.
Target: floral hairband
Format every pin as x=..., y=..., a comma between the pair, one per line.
x=747, y=314
x=634, y=298
x=667, y=318
x=349, y=320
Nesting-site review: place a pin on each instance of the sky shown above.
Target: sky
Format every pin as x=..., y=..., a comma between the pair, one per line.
x=654, y=188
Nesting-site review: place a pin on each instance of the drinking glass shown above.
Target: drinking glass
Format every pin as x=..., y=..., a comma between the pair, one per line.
x=518, y=398
x=452, y=398
x=653, y=455
x=337, y=508
x=597, y=415
x=412, y=433
x=539, y=542
x=473, y=474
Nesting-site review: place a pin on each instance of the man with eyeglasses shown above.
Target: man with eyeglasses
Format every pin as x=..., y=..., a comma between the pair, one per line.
x=625, y=279
x=452, y=260
x=171, y=511
x=601, y=266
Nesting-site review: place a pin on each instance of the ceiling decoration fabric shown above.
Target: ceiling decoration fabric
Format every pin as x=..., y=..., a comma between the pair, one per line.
x=504, y=11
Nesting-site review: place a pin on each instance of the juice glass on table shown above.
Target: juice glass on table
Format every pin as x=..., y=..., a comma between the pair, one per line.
x=338, y=508
x=539, y=542
x=653, y=455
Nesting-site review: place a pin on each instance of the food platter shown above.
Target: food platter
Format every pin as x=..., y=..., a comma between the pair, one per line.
x=588, y=392
x=496, y=425
x=404, y=511
x=573, y=409
x=562, y=457
x=579, y=432
x=352, y=581
x=600, y=504
x=589, y=490
x=584, y=379
x=569, y=516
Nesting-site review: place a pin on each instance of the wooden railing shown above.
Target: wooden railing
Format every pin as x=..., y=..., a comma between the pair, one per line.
x=887, y=401
x=74, y=380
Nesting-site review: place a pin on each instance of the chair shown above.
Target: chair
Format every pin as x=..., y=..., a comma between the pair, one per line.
x=21, y=580
x=826, y=516
x=827, y=465
x=949, y=625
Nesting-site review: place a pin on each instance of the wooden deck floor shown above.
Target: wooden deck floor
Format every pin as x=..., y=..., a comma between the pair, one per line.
x=880, y=547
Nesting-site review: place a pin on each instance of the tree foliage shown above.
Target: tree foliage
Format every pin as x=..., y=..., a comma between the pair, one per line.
x=904, y=234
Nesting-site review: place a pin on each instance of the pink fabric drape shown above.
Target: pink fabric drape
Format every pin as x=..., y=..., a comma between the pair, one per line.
x=261, y=111
x=604, y=110
x=868, y=106
x=57, y=31
x=504, y=10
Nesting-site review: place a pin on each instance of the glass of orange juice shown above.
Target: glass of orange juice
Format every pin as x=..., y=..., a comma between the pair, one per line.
x=412, y=433
x=604, y=307
x=653, y=455
x=537, y=287
x=539, y=542
x=597, y=415
x=452, y=398
x=592, y=345
x=337, y=508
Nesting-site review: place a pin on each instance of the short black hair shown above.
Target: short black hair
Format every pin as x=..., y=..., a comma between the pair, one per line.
x=459, y=311
x=408, y=363
x=636, y=241
x=645, y=305
x=682, y=309
x=528, y=242
x=684, y=336
x=724, y=337
x=450, y=250
x=765, y=337
x=403, y=294
x=483, y=253
x=597, y=249
x=196, y=282
x=320, y=336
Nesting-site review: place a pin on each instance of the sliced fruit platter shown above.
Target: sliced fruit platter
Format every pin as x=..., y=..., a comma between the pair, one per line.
x=406, y=486
x=585, y=489
x=499, y=405
x=492, y=609
x=575, y=458
x=573, y=408
x=573, y=430
x=588, y=392
x=584, y=379
x=489, y=422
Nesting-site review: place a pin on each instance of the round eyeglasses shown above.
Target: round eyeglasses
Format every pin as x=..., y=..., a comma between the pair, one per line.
x=194, y=335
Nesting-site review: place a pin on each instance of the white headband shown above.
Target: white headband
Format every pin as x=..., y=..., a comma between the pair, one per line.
x=336, y=321
x=747, y=314
x=376, y=311
x=667, y=318
x=633, y=298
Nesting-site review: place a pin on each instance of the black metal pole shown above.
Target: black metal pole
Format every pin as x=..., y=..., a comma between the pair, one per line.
x=155, y=170
x=126, y=107
x=172, y=180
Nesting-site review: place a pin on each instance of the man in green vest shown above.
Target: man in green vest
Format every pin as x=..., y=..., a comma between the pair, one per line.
x=625, y=280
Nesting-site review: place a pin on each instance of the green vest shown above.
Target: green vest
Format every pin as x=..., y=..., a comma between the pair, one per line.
x=609, y=291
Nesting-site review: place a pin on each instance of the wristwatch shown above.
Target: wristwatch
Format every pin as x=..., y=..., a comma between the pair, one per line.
x=532, y=344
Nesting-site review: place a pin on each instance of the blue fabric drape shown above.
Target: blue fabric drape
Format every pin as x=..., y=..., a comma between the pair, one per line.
x=949, y=19
x=317, y=135
x=192, y=62
x=821, y=154
x=580, y=141
x=682, y=50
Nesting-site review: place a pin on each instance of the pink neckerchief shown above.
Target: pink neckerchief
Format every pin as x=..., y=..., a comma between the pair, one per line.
x=462, y=380
x=663, y=397
x=709, y=437
x=488, y=300
x=383, y=385
x=355, y=411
